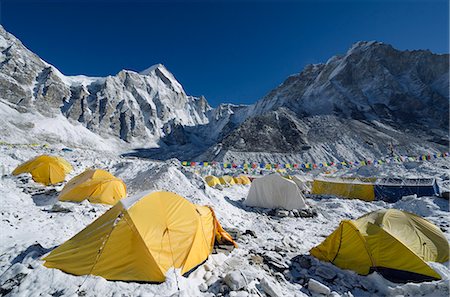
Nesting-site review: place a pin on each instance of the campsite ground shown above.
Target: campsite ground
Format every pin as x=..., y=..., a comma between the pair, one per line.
x=272, y=256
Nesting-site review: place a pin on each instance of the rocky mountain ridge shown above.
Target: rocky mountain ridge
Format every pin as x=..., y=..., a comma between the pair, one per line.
x=354, y=105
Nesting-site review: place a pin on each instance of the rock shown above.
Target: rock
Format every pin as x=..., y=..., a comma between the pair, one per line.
x=317, y=287
x=250, y=232
x=281, y=213
x=235, y=280
x=275, y=261
x=59, y=208
x=291, y=214
x=445, y=195
x=296, y=213
x=213, y=279
x=303, y=261
x=334, y=294
x=207, y=275
x=326, y=273
x=308, y=213
x=235, y=233
x=270, y=288
x=203, y=287
x=256, y=259
x=238, y=294
x=207, y=267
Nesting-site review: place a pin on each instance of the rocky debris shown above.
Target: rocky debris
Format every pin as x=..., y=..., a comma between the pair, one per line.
x=315, y=286
x=235, y=280
x=235, y=233
x=270, y=288
x=281, y=213
x=445, y=195
x=303, y=261
x=275, y=261
x=256, y=259
x=57, y=207
x=308, y=213
x=239, y=294
x=326, y=273
x=250, y=232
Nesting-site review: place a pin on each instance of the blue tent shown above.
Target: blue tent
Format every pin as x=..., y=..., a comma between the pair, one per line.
x=393, y=189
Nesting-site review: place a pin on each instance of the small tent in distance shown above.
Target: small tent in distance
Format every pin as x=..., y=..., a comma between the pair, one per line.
x=140, y=238
x=275, y=191
x=226, y=180
x=394, y=243
x=47, y=170
x=96, y=185
x=212, y=181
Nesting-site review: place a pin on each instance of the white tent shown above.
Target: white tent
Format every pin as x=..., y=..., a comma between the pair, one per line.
x=275, y=191
x=303, y=183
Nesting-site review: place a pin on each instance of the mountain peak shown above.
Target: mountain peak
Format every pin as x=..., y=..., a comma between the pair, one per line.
x=152, y=69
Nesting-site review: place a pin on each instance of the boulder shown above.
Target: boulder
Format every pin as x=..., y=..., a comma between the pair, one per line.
x=317, y=287
x=270, y=288
x=326, y=273
x=235, y=280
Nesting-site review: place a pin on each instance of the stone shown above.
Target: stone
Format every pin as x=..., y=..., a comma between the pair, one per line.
x=334, y=294
x=270, y=288
x=296, y=213
x=203, y=287
x=235, y=280
x=303, y=261
x=207, y=275
x=250, y=232
x=315, y=286
x=256, y=259
x=239, y=294
x=213, y=279
x=326, y=273
x=281, y=213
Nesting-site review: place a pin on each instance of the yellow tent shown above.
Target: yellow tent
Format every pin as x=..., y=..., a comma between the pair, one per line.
x=344, y=188
x=212, y=181
x=140, y=238
x=226, y=180
x=394, y=243
x=47, y=170
x=96, y=185
x=237, y=180
x=245, y=180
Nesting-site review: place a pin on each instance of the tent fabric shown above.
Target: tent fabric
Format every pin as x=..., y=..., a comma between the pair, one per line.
x=245, y=180
x=344, y=188
x=96, y=185
x=275, y=191
x=392, y=190
x=140, y=238
x=242, y=180
x=47, y=170
x=212, y=181
x=227, y=180
x=394, y=243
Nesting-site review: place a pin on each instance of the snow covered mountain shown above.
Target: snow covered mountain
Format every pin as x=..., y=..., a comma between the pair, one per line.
x=135, y=107
x=353, y=106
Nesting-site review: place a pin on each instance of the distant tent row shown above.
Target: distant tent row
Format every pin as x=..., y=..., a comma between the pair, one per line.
x=227, y=180
x=140, y=238
x=394, y=243
x=389, y=190
x=96, y=185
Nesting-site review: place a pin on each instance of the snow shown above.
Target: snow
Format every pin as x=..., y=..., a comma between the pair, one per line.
x=32, y=224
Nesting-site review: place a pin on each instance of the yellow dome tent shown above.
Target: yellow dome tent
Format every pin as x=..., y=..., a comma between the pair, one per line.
x=140, y=238
x=96, y=185
x=227, y=180
x=237, y=180
x=212, y=181
x=394, y=243
x=244, y=180
x=47, y=170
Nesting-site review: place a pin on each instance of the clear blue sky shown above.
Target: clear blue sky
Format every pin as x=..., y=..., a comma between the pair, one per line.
x=233, y=51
